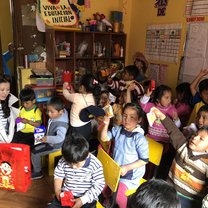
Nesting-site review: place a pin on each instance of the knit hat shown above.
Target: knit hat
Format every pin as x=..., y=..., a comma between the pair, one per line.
x=88, y=113
x=139, y=56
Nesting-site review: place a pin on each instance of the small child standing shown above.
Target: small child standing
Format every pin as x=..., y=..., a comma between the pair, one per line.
x=189, y=170
x=130, y=151
x=78, y=171
x=30, y=116
x=55, y=135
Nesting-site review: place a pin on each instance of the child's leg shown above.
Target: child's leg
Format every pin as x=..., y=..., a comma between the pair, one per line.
x=55, y=204
x=36, y=153
x=121, y=198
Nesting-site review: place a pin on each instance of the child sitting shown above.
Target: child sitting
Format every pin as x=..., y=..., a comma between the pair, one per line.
x=130, y=151
x=128, y=76
x=78, y=171
x=189, y=169
x=55, y=135
x=29, y=116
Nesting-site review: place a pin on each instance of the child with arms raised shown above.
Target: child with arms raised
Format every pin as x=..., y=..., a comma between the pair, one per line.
x=131, y=150
x=55, y=135
x=78, y=171
x=189, y=170
x=30, y=116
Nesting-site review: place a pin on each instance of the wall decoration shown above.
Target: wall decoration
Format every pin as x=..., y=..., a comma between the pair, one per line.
x=158, y=72
x=163, y=42
x=161, y=7
x=196, y=8
x=58, y=12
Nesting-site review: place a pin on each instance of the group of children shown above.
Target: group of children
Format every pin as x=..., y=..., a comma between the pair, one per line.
x=80, y=171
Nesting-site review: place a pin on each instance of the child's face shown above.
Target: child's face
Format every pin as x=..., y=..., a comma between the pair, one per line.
x=130, y=119
x=199, y=143
x=104, y=99
x=204, y=96
x=28, y=104
x=53, y=113
x=4, y=90
x=139, y=64
x=202, y=119
x=165, y=100
x=126, y=76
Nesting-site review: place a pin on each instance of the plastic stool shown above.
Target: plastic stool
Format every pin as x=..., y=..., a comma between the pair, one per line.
x=51, y=161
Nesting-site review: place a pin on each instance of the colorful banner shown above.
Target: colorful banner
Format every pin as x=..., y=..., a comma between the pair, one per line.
x=57, y=13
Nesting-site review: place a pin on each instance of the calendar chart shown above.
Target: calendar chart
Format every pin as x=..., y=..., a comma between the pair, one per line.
x=163, y=42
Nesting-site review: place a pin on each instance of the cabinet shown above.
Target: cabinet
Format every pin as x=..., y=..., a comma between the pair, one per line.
x=82, y=52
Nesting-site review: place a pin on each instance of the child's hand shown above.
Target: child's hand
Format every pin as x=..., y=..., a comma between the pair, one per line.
x=124, y=170
x=24, y=120
x=57, y=193
x=77, y=203
x=203, y=72
x=44, y=139
x=158, y=113
x=175, y=116
x=131, y=87
x=149, y=92
x=106, y=120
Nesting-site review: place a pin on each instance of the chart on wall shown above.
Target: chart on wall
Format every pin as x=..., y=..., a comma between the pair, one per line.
x=163, y=42
x=196, y=8
x=196, y=51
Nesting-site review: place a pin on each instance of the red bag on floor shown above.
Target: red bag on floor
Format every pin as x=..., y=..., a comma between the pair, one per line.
x=15, y=168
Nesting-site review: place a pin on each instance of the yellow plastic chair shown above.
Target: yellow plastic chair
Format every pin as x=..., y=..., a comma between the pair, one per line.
x=155, y=155
x=111, y=171
x=51, y=161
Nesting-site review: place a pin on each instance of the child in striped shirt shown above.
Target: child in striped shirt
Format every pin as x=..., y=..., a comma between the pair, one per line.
x=78, y=171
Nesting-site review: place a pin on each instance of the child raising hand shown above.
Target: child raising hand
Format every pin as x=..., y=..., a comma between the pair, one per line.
x=131, y=150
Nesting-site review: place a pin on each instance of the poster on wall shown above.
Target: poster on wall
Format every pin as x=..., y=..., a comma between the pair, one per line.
x=163, y=42
x=158, y=72
x=57, y=12
x=196, y=8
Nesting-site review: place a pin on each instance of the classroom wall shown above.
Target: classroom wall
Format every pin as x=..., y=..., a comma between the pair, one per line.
x=143, y=13
x=5, y=26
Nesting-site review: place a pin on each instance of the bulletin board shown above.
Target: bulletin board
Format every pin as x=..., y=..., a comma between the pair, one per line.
x=196, y=51
x=163, y=42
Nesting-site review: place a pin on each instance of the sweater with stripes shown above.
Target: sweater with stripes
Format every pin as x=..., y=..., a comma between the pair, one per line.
x=86, y=182
x=189, y=171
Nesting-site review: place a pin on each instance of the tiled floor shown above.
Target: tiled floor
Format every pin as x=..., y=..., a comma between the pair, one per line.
x=38, y=195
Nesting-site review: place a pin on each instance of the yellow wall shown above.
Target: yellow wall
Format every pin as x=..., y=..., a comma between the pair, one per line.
x=5, y=26
x=143, y=14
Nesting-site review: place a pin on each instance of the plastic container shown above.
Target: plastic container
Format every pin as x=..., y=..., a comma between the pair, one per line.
x=42, y=81
x=43, y=94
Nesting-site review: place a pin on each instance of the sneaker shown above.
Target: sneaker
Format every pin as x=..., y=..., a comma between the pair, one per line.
x=36, y=175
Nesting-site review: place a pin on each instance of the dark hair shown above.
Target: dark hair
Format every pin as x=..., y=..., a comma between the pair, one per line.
x=56, y=102
x=75, y=148
x=203, y=128
x=203, y=85
x=155, y=193
x=5, y=103
x=27, y=94
x=91, y=85
x=159, y=92
x=132, y=70
x=204, y=108
x=184, y=90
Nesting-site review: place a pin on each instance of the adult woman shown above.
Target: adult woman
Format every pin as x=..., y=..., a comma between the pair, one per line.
x=8, y=113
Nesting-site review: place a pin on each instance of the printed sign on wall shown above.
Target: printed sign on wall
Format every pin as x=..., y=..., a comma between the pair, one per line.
x=57, y=13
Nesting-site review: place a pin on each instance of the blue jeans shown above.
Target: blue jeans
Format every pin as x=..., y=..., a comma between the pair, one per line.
x=187, y=203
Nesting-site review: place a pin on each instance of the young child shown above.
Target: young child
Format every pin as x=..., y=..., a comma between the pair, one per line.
x=55, y=135
x=30, y=116
x=189, y=171
x=162, y=100
x=201, y=97
x=200, y=121
x=183, y=102
x=130, y=151
x=128, y=76
x=78, y=171
x=88, y=91
x=154, y=193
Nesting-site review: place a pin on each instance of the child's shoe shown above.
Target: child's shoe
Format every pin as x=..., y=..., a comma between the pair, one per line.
x=36, y=175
